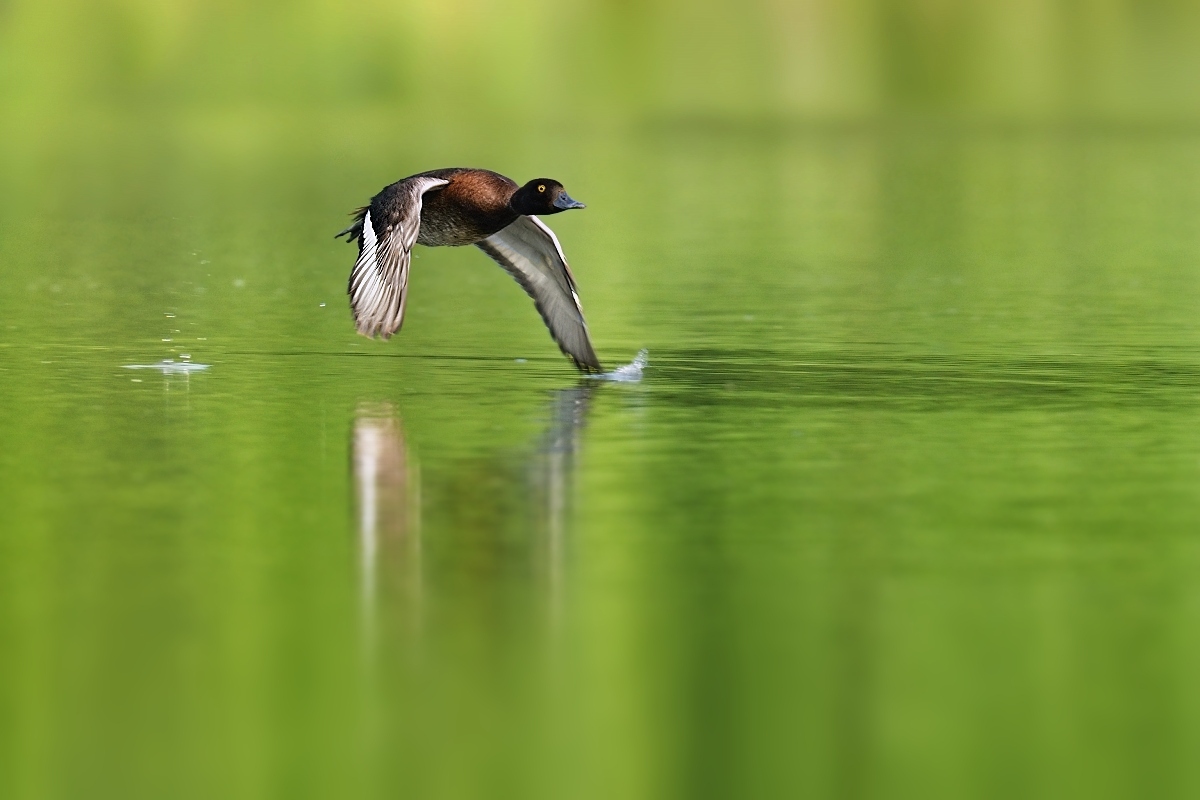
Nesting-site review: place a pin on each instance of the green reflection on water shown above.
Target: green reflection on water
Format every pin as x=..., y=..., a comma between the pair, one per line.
x=904, y=505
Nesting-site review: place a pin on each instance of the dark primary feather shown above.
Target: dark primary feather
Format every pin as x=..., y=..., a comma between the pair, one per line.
x=529, y=251
x=354, y=232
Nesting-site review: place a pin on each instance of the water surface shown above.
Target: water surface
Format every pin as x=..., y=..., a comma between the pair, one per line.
x=904, y=504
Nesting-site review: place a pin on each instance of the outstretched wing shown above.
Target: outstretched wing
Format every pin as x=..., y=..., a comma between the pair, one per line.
x=530, y=252
x=379, y=279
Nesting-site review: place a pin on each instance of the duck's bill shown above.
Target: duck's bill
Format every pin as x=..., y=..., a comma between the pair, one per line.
x=564, y=202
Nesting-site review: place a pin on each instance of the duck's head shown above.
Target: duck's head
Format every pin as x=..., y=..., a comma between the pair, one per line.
x=542, y=196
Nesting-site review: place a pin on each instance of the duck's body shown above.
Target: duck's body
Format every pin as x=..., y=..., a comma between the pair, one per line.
x=470, y=208
x=455, y=207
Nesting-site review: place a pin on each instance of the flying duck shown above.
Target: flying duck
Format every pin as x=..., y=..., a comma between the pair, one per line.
x=455, y=207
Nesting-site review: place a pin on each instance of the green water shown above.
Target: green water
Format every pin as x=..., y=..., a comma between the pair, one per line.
x=905, y=505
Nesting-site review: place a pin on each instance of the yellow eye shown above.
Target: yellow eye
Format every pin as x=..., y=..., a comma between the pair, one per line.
x=541, y=187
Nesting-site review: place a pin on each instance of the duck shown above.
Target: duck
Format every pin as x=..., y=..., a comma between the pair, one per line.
x=461, y=206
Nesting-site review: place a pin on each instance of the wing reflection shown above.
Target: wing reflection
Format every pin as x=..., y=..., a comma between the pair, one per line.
x=480, y=508
x=552, y=473
x=388, y=503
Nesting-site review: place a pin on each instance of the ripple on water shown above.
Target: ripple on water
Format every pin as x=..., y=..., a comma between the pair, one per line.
x=703, y=377
x=169, y=367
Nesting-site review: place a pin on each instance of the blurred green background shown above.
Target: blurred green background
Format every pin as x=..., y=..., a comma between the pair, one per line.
x=1034, y=59
x=905, y=505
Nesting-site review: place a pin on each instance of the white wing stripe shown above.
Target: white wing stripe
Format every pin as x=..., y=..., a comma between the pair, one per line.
x=379, y=281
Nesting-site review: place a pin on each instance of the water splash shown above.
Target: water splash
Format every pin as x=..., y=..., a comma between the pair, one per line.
x=630, y=373
x=170, y=367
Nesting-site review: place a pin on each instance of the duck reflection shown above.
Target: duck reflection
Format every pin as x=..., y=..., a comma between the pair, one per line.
x=493, y=515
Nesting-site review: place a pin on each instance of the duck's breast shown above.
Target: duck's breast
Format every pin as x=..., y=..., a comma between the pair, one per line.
x=472, y=207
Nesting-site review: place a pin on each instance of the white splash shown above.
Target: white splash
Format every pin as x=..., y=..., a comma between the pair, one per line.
x=630, y=373
x=170, y=367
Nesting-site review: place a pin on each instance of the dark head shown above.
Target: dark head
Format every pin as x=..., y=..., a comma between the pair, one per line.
x=542, y=196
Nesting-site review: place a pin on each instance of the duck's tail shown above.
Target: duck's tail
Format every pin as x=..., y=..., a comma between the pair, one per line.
x=354, y=232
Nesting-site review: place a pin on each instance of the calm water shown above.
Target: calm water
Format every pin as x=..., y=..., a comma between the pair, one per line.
x=905, y=505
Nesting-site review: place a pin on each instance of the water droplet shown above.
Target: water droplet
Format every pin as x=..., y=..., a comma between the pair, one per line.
x=631, y=372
